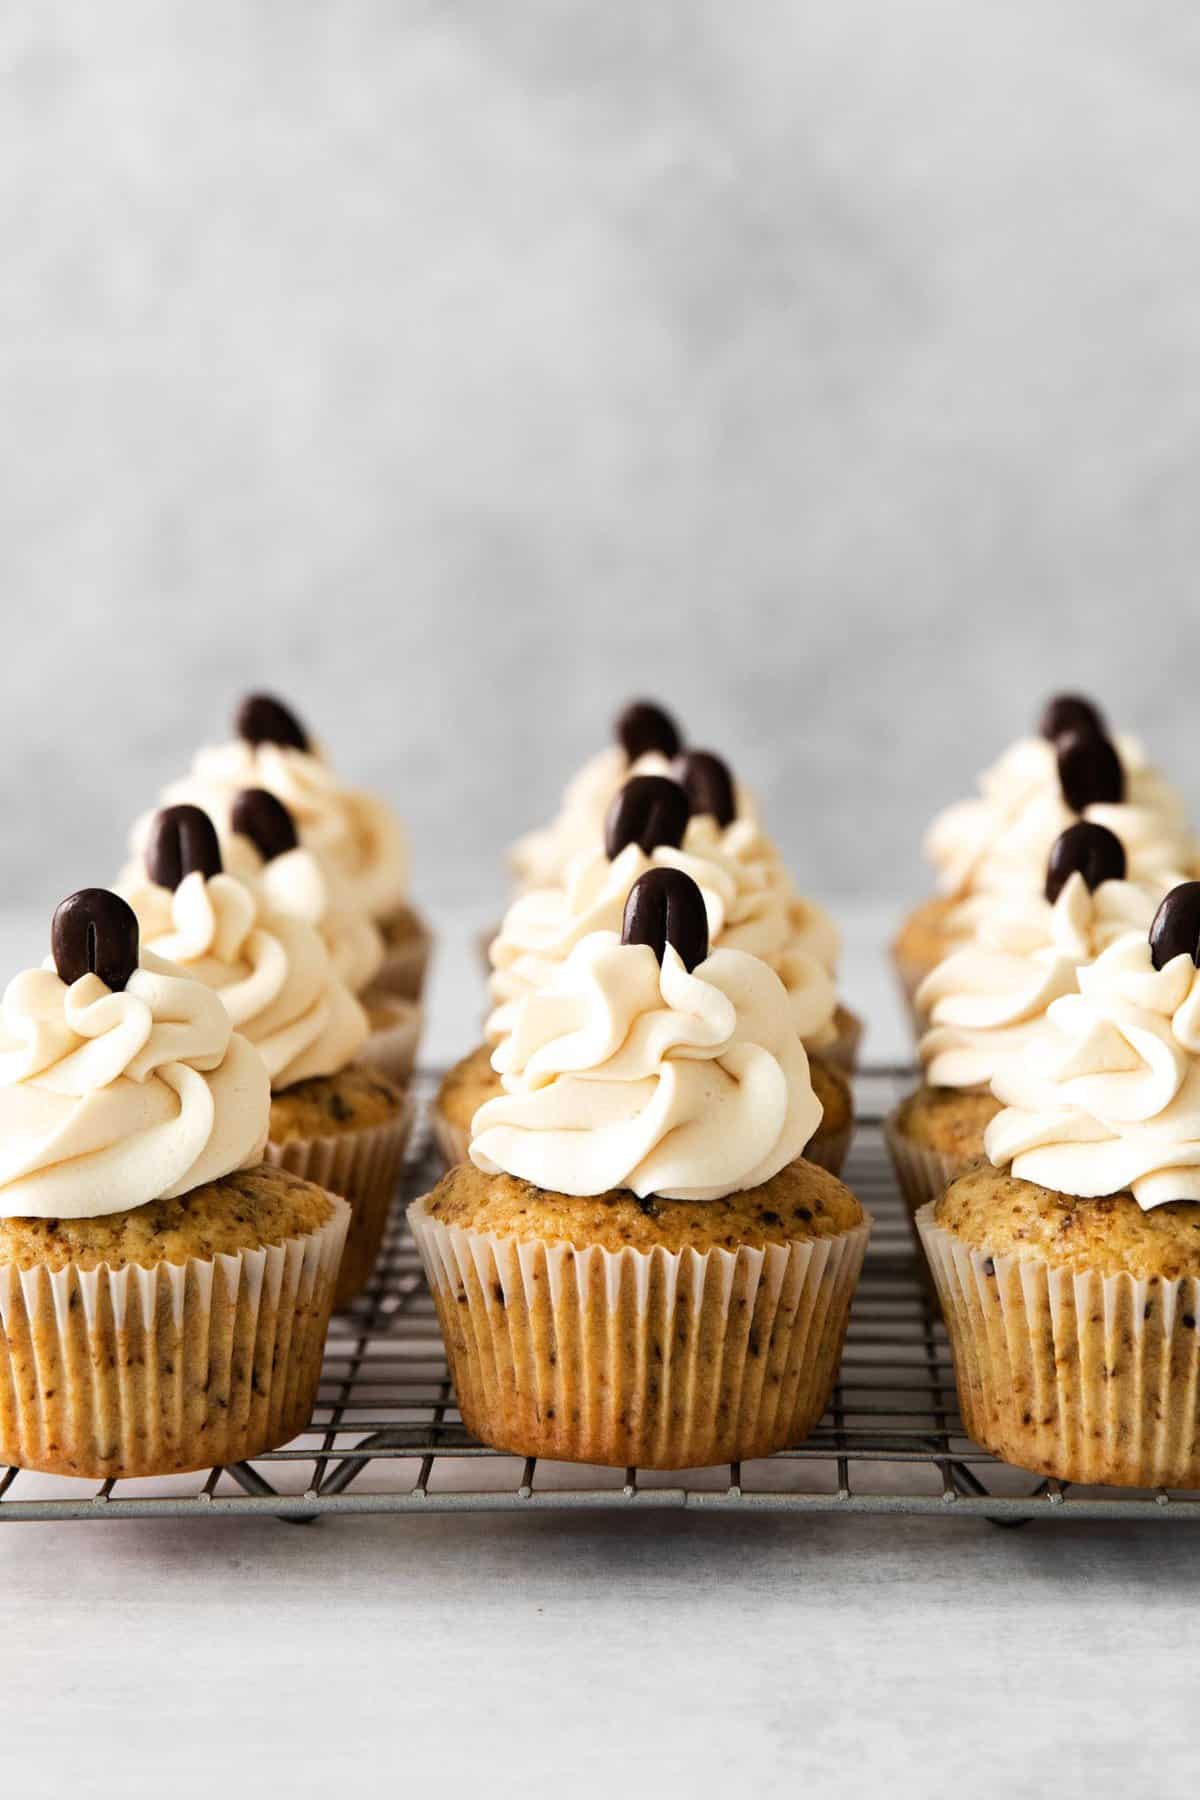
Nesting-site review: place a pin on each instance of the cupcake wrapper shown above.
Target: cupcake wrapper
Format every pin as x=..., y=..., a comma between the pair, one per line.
x=111, y=1373
x=843, y=1052
x=392, y=1048
x=829, y=1149
x=451, y=1140
x=923, y=1175
x=660, y=1359
x=405, y=966
x=364, y=1168
x=911, y=973
x=1087, y=1377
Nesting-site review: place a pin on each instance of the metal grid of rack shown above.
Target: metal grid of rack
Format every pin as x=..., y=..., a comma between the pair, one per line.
x=385, y=1436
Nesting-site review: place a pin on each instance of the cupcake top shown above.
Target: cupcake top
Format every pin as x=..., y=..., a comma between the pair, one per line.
x=999, y=840
x=271, y=969
x=647, y=1063
x=122, y=1080
x=264, y=851
x=650, y=826
x=984, y=1000
x=1107, y=1095
x=354, y=833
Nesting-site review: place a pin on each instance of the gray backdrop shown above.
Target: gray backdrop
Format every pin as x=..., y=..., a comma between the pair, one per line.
x=830, y=370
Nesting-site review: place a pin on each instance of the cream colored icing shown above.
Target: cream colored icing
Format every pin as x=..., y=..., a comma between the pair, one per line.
x=109, y=1100
x=540, y=858
x=1107, y=1095
x=270, y=969
x=748, y=909
x=297, y=882
x=355, y=833
x=745, y=843
x=1000, y=839
x=622, y=1074
x=983, y=1000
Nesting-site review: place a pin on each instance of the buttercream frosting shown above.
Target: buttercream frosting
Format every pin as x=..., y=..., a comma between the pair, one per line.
x=621, y=1073
x=299, y=883
x=109, y=1100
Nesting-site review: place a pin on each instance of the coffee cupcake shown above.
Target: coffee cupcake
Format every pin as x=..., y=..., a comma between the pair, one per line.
x=164, y=1296
x=332, y=1121
x=745, y=910
x=998, y=842
x=1069, y=1265
x=355, y=834
x=986, y=1001
x=263, y=850
x=637, y=1266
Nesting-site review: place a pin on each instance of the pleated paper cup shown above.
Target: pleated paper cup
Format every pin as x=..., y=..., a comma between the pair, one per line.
x=923, y=1175
x=392, y=1045
x=119, y=1372
x=1073, y=1373
x=452, y=1140
x=364, y=1168
x=842, y=1054
x=911, y=972
x=662, y=1359
x=406, y=964
x=829, y=1149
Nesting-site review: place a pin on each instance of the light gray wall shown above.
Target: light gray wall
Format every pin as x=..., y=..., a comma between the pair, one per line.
x=830, y=370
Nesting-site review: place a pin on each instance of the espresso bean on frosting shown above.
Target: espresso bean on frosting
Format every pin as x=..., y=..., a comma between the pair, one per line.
x=262, y=719
x=1176, y=928
x=182, y=841
x=708, y=784
x=1071, y=712
x=643, y=726
x=1089, y=771
x=95, y=932
x=649, y=811
x=666, y=907
x=265, y=820
x=1092, y=851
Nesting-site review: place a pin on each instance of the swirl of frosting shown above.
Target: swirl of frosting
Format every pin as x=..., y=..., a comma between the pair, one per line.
x=299, y=884
x=110, y=1100
x=1000, y=839
x=270, y=969
x=746, y=844
x=355, y=833
x=540, y=859
x=1107, y=1094
x=983, y=1000
x=747, y=910
x=620, y=1073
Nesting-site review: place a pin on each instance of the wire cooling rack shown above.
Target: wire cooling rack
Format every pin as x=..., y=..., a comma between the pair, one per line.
x=385, y=1436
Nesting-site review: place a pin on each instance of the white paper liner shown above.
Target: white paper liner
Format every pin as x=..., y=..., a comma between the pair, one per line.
x=452, y=1140
x=392, y=1047
x=829, y=1149
x=406, y=964
x=111, y=1373
x=1072, y=1373
x=364, y=1168
x=922, y=1176
x=662, y=1359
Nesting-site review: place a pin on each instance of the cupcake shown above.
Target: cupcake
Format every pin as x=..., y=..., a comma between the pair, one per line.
x=637, y=1266
x=263, y=850
x=986, y=1001
x=999, y=841
x=745, y=909
x=354, y=834
x=333, y=1121
x=1068, y=1265
x=164, y=1296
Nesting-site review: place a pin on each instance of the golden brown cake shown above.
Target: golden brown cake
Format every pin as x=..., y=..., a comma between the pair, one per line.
x=409, y=945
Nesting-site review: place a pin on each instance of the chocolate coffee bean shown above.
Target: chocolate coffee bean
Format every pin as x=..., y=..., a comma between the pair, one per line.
x=95, y=932
x=264, y=819
x=1089, y=771
x=1176, y=928
x=649, y=810
x=261, y=719
x=182, y=841
x=706, y=781
x=666, y=907
x=643, y=727
x=1092, y=851
x=1071, y=712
